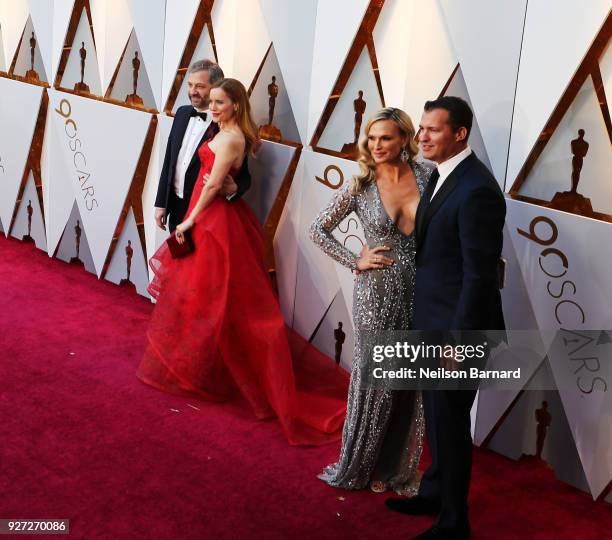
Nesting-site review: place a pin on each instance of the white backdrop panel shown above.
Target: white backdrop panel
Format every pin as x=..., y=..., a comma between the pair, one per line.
x=128, y=253
x=149, y=20
x=284, y=118
x=291, y=26
x=29, y=216
x=14, y=15
x=549, y=58
x=268, y=170
x=62, y=11
x=18, y=124
x=24, y=55
x=41, y=13
x=72, y=72
x=178, y=23
x=101, y=167
x=490, y=72
x=340, y=127
x=392, y=34
x=552, y=172
x=71, y=239
x=427, y=73
x=331, y=45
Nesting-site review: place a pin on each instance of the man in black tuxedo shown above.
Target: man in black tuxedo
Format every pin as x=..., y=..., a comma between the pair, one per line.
x=192, y=127
x=459, y=224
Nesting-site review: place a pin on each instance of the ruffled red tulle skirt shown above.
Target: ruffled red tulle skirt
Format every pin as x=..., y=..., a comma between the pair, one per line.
x=217, y=332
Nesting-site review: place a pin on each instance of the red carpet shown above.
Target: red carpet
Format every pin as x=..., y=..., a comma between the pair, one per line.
x=82, y=439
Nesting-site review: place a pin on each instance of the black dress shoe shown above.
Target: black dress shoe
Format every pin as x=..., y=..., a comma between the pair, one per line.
x=415, y=506
x=437, y=533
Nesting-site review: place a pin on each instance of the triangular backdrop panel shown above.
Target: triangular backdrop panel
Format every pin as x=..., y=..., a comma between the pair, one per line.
x=24, y=56
x=490, y=72
x=241, y=38
x=41, y=14
x=57, y=178
x=73, y=246
x=329, y=333
x=154, y=236
x=112, y=25
x=99, y=184
x=336, y=28
x=18, y=124
x=284, y=118
x=83, y=39
x=29, y=218
x=128, y=258
x=542, y=79
x=149, y=21
x=124, y=83
x=552, y=172
x=177, y=25
x=204, y=49
x=286, y=247
x=13, y=17
x=391, y=35
x=292, y=30
x=340, y=127
x=62, y=12
x=457, y=88
x=427, y=73
x=605, y=66
x=268, y=169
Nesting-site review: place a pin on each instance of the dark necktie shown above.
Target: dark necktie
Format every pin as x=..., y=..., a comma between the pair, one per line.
x=431, y=185
x=202, y=115
x=426, y=199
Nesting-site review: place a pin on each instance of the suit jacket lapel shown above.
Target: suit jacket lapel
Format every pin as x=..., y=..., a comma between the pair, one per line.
x=445, y=190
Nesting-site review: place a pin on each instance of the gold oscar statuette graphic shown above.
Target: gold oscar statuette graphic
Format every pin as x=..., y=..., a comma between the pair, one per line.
x=31, y=74
x=81, y=87
x=340, y=337
x=134, y=98
x=572, y=201
x=77, y=242
x=129, y=253
x=359, y=105
x=543, y=419
x=30, y=210
x=270, y=131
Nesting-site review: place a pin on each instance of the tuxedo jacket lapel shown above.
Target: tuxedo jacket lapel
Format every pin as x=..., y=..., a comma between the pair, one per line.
x=449, y=184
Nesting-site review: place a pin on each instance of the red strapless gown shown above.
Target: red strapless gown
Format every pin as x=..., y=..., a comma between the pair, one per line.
x=217, y=330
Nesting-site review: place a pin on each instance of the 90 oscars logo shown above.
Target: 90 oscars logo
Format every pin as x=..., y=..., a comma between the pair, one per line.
x=78, y=158
x=568, y=313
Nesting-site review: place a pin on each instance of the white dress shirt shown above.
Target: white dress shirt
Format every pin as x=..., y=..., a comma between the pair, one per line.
x=448, y=166
x=193, y=135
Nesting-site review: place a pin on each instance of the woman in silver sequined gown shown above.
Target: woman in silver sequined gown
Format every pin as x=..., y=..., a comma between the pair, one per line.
x=383, y=431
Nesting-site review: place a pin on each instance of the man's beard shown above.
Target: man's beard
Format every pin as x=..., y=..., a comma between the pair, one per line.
x=199, y=102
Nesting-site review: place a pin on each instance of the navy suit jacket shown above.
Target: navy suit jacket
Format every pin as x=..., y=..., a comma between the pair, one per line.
x=459, y=242
x=173, y=147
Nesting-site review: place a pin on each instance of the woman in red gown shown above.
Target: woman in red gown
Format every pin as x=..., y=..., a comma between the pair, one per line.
x=217, y=330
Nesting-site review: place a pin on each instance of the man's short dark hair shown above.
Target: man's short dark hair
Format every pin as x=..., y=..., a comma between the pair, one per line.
x=215, y=73
x=459, y=112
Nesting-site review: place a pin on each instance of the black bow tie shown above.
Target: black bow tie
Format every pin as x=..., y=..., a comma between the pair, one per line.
x=202, y=115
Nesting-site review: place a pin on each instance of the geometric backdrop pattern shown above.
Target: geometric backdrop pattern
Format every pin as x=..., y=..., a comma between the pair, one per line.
x=87, y=93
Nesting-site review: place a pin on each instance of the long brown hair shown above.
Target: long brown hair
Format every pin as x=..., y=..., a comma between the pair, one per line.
x=238, y=95
x=366, y=162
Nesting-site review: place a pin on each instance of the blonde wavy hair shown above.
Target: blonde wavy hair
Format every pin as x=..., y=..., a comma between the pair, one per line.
x=238, y=95
x=367, y=165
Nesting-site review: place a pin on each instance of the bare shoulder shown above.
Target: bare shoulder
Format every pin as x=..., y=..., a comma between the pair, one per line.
x=232, y=140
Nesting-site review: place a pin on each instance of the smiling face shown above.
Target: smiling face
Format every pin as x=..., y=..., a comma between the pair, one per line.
x=385, y=141
x=437, y=139
x=222, y=108
x=198, y=87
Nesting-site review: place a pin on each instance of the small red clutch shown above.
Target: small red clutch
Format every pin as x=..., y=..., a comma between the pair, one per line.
x=180, y=250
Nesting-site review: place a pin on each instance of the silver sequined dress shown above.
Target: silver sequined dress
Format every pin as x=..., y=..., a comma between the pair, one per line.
x=382, y=437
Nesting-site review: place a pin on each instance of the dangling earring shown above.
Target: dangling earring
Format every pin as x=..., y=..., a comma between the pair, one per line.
x=405, y=156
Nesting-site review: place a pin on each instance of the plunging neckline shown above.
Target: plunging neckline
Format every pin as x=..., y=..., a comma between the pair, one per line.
x=384, y=209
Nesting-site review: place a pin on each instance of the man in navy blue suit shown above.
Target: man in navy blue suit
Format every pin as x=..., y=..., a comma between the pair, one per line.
x=192, y=126
x=459, y=227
